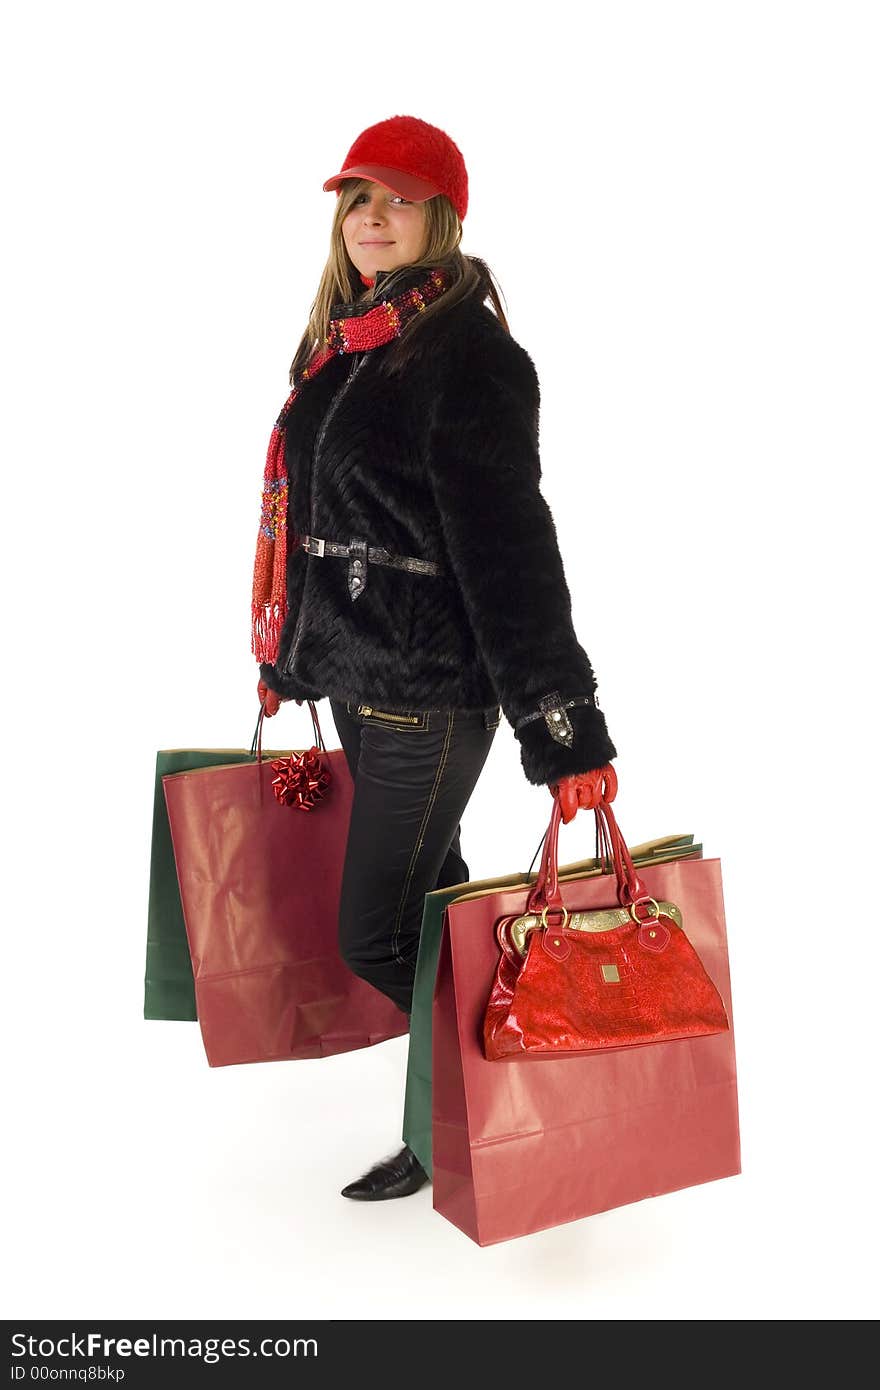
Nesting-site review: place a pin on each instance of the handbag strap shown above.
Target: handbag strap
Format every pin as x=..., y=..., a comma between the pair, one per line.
x=545, y=892
x=257, y=741
x=603, y=852
x=605, y=856
x=630, y=886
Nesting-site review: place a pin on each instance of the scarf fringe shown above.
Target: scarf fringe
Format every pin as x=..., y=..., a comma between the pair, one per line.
x=267, y=621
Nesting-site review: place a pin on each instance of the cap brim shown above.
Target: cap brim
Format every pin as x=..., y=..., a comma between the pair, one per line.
x=407, y=185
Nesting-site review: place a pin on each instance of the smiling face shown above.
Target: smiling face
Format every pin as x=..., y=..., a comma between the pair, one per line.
x=383, y=230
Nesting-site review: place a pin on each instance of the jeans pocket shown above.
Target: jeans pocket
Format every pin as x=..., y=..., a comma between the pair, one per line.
x=492, y=717
x=405, y=721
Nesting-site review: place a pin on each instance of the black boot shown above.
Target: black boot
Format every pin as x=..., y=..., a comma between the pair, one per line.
x=393, y=1177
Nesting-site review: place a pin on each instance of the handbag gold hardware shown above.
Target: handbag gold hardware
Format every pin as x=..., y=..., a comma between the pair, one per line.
x=562, y=908
x=601, y=919
x=645, y=898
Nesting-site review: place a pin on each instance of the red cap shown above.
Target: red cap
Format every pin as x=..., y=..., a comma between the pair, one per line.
x=410, y=157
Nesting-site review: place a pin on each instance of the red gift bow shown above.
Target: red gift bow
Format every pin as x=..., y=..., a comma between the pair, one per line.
x=302, y=781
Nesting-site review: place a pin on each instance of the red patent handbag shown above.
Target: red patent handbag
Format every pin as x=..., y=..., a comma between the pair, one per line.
x=596, y=980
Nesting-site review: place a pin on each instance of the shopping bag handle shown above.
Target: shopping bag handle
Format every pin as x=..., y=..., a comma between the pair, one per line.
x=545, y=893
x=257, y=741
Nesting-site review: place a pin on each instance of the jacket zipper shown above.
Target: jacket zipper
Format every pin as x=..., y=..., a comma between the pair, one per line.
x=357, y=363
x=394, y=718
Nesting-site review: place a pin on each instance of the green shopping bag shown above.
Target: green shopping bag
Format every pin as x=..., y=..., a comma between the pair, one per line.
x=417, y=1102
x=169, y=991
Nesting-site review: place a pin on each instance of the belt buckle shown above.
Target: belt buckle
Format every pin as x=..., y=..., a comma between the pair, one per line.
x=318, y=542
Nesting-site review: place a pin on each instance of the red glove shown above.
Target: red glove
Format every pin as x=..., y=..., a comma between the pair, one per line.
x=585, y=789
x=269, y=698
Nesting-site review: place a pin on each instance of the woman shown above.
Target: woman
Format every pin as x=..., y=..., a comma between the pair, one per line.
x=423, y=592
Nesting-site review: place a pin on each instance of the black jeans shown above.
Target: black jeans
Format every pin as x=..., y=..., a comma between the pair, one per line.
x=413, y=772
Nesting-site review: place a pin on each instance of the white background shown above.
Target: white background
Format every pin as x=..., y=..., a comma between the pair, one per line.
x=680, y=203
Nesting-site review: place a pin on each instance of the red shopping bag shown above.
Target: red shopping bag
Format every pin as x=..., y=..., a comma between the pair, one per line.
x=259, y=884
x=535, y=1140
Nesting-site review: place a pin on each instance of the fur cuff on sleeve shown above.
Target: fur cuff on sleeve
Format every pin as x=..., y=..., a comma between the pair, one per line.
x=544, y=760
x=285, y=686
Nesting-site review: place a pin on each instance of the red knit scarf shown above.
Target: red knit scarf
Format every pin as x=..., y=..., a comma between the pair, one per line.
x=357, y=333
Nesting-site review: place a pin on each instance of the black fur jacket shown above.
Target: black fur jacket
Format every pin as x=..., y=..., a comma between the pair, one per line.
x=440, y=463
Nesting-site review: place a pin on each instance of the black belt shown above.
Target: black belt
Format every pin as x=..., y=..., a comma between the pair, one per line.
x=360, y=555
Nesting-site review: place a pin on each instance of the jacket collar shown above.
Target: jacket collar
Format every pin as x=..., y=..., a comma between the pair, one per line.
x=407, y=277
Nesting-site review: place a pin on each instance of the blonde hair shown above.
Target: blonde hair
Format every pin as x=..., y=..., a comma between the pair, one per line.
x=340, y=281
